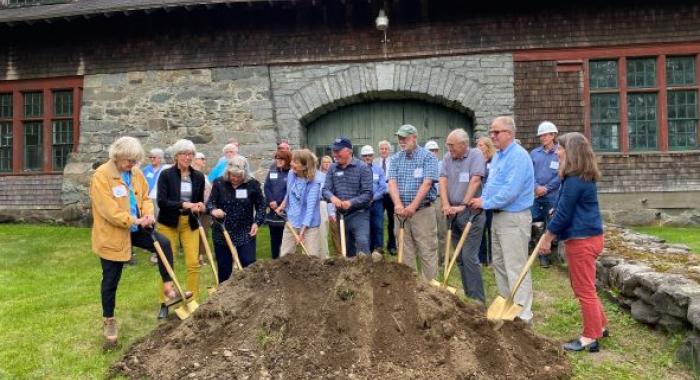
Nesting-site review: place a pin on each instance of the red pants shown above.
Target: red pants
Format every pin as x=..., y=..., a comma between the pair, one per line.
x=581, y=255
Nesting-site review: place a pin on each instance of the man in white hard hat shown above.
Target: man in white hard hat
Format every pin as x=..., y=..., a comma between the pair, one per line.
x=376, y=208
x=440, y=218
x=546, y=165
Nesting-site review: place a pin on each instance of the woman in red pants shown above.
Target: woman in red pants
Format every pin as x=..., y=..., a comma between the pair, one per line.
x=577, y=222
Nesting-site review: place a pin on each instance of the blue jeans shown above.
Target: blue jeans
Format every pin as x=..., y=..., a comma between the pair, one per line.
x=357, y=232
x=224, y=260
x=376, y=221
x=540, y=209
x=468, y=260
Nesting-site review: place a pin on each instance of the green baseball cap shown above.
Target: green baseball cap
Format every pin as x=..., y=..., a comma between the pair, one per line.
x=405, y=130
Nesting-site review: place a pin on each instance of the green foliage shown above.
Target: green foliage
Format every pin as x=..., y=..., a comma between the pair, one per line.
x=689, y=236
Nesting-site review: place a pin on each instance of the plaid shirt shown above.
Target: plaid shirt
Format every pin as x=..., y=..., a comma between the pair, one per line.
x=353, y=183
x=409, y=174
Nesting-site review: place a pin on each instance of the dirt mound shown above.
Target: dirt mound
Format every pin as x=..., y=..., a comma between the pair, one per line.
x=301, y=317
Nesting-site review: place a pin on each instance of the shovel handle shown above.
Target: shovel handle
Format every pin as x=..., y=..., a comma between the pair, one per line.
x=166, y=264
x=459, y=246
x=296, y=237
x=343, y=247
x=526, y=269
x=229, y=243
x=203, y=236
x=402, y=233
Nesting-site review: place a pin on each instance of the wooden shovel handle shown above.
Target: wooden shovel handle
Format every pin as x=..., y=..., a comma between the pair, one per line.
x=168, y=268
x=526, y=268
x=232, y=248
x=296, y=237
x=343, y=247
x=203, y=236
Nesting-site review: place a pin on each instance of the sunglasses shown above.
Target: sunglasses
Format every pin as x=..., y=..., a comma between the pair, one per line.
x=496, y=133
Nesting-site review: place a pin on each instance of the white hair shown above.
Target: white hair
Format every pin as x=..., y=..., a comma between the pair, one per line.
x=237, y=167
x=233, y=147
x=182, y=146
x=157, y=152
x=385, y=142
x=507, y=122
x=126, y=147
x=461, y=135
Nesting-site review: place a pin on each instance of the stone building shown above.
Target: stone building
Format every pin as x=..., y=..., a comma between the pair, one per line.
x=76, y=74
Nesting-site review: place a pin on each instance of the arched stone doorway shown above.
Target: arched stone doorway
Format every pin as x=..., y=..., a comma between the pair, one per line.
x=369, y=122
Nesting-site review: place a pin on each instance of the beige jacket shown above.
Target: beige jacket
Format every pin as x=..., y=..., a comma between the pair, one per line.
x=111, y=237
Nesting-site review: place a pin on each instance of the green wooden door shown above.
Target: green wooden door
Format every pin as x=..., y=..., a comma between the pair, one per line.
x=370, y=122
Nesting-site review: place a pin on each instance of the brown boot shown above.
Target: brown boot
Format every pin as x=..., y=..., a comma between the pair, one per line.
x=110, y=333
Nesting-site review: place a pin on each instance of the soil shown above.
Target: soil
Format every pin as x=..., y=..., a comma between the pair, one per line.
x=300, y=317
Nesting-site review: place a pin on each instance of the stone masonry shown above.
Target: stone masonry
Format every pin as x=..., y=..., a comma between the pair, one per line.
x=262, y=105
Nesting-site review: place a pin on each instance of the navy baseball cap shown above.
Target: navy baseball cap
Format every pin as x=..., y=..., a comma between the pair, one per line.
x=340, y=143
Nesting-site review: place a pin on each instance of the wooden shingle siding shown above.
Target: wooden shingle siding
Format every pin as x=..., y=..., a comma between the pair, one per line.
x=31, y=192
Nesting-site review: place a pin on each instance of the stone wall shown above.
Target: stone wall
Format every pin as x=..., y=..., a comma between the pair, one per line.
x=480, y=85
x=208, y=106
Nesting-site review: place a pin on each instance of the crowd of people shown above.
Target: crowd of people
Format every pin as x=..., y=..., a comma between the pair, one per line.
x=495, y=187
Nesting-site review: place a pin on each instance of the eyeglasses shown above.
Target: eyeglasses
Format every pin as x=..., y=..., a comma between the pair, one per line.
x=151, y=157
x=495, y=133
x=187, y=154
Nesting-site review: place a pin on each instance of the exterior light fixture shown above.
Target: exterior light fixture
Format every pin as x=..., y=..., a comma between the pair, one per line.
x=382, y=23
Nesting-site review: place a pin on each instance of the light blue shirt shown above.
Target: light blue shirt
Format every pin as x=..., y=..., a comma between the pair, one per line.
x=218, y=170
x=303, y=201
x=511, y=183
x=133, y=207
x=151, y=175
x=379, y=186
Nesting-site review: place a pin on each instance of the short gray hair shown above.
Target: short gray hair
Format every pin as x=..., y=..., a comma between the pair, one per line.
x=236, y=167
x=157, y=152
x=507, y=122
x=385, y=142
x=183, y=145
x=231, y=146
x=126, y=147
x=461, y=134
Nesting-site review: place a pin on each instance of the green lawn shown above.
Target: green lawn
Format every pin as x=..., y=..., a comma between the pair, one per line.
x=689, y=236
x=50, y=314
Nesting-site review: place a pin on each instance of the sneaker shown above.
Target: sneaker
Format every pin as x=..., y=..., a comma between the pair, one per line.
x=153, y=259
x=110, y=332
x=163, y=312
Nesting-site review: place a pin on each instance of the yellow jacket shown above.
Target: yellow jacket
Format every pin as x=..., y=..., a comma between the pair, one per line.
x=111, y=237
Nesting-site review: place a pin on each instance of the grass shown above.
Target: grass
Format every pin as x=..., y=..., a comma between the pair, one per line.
x=689, y=236
x=50, y=324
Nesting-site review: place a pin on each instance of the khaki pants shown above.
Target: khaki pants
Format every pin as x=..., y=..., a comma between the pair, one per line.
x=510, y=234
x=182, y=234
x=311, y=242
x=420, y=240
x=441, y=222
x=334, y=227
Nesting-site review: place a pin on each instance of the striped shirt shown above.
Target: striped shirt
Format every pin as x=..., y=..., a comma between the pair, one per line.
x=353, y=183
x=409, y=174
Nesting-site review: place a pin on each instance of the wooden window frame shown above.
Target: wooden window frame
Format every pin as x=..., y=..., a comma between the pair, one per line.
x=47, y=87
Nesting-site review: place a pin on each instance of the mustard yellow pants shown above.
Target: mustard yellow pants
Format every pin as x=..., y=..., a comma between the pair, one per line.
x=189, y=239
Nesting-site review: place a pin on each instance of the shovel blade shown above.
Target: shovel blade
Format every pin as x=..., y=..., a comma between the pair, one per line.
x=182, y=312
x=192, y=306
x=212, y=290
x=440, y=285
x=502, y=310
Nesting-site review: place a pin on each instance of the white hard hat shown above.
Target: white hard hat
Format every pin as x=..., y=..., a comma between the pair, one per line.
x=546, y=127
x=432, y=145
x=366, y=150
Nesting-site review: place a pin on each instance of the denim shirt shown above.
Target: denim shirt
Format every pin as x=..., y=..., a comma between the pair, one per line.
x=546, y=165
x=378, y=182
x=511, y=183
x=577, y=213
x=303, y=202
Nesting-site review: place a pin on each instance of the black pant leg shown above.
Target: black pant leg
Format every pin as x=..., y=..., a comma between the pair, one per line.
x=111, y=274
x=276, y=233
x=389, y=207
x=142, y=239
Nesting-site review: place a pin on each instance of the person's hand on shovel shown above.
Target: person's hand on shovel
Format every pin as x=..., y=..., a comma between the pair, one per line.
x=145, y=221
x=300, y=236
x=476, y=203
x=546, y=243
x=218, y=213
x=253, y=229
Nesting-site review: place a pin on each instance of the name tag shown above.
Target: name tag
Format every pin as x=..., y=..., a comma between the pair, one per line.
x=339, y=174
x=185, y=187
x=273, y=175
x=119, y=191
x=418, y=173
x=241, y=194
x=149, y=175
x=463, y=176
x=554, y=165
x=375, y=177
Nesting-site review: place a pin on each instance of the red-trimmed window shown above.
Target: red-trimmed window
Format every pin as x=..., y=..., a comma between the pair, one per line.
x=39, y=124
x=643, y=103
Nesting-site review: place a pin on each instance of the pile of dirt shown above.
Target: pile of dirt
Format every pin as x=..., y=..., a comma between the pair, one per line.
x=301, y=317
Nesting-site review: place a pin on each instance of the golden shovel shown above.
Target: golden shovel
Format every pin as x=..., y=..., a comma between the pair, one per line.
x=187, y=307
x=457, y=252
x=296, y=237
x=229, y=243
x=203, y=236
x=503, y=309
x=343, y=247
x=402, y=233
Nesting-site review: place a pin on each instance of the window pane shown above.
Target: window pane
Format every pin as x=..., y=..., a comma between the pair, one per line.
x=641, y=114
x=32, y=145
x=641, y=72
x=5, y=146
x=63, y=103
x=5, y=106
x=682, y=119
x=603, y=74
x=605, y=119
x=62, y=142
x=680, y=71
x=33, y=104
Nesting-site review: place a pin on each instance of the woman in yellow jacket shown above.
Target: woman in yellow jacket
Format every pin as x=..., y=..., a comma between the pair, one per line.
x=121, y=210
x=180, y=197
